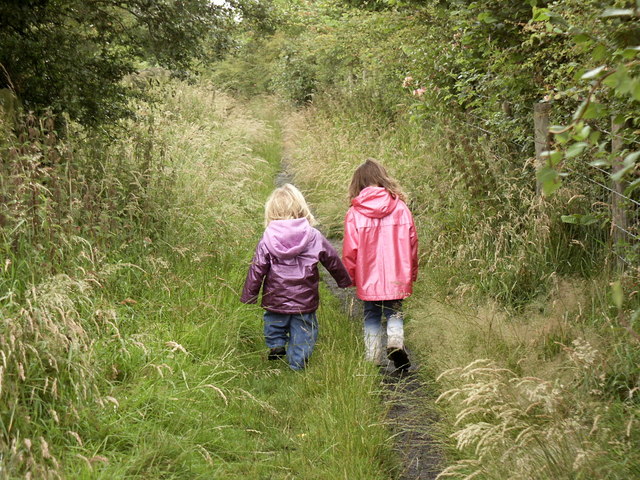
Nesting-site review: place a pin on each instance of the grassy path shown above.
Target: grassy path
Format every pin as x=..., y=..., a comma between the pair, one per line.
x=191, y=394
x=408, y=403
x=134, y=358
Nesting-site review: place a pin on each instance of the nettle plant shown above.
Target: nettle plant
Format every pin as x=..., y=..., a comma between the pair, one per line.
x=608, y=91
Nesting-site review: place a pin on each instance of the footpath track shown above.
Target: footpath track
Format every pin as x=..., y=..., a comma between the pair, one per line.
x=406, y=398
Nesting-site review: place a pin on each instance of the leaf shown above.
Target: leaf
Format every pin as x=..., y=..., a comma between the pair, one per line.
x=562, y=137
x=631, y=158
x=595, y=136
x=630, y=52
x=594, y=110
x=618, y=12
x=575, y=149
x=579, y=219
x=600, y=163
x=550, y=180
x=593, y=73
x=600, y=53
x=617, y=295
x=616, y=177
x=625, y=82
x=553, y=157
x=628, y=165
x=557, y=20
x=588, y=220
x=581, y=38
x=580, y=111
x=632, y=187
x=617, y=78
x=541, y=14
x=584, y=133
x=486, y=17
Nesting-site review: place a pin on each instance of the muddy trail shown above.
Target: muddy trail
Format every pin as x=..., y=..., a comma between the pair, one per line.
x=407, y=398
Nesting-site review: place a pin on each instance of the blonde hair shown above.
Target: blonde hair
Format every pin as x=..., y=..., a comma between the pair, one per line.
x=372, y=173
x=286, y=203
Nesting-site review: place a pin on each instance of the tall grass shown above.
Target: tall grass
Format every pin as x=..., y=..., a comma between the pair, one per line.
x=129, y=354
x=512, y=311
x=487, y=231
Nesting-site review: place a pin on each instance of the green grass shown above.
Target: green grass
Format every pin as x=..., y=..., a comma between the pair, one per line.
x=512, y=311
x=218, y=409
x=140, y=361
x=196, y=397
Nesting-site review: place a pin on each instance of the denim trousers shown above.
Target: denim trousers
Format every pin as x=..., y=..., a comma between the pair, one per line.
x=297, y=332
x=374, y=333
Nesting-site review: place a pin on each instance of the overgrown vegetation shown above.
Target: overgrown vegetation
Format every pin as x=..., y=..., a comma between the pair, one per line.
x=125, y=352
x=521, y=312
x=123, y=349
x=71, y=56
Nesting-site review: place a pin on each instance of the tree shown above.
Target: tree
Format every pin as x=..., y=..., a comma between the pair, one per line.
x=71, y=55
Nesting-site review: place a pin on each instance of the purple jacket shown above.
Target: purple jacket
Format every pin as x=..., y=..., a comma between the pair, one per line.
x=286, y=260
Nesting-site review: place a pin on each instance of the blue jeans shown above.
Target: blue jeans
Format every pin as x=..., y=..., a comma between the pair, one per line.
x=298, y=332
x=374, y=335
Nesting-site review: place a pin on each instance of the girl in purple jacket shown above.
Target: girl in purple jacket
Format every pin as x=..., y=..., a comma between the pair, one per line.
x=285, y=265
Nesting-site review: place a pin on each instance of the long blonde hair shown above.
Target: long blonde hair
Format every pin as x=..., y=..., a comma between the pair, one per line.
x=372, y=173
x=286, y=203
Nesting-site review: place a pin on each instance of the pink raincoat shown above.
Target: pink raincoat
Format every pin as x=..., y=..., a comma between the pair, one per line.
x=380, y=247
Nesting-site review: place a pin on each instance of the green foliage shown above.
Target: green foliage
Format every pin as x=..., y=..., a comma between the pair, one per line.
x=325, y=49
x=249, y=70
x=610, y=90
x=71, y=55
x=71, y=211
x=487, y=61
x=442, y=92
x=484, y=64
x=561, y=381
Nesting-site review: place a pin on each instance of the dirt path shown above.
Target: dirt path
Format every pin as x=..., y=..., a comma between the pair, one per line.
x=406, y=398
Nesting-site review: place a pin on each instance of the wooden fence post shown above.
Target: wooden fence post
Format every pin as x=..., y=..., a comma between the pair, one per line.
x=619, y=220
x=542, y=138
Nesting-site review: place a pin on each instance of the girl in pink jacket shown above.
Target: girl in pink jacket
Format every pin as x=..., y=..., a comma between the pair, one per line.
x=380, y=251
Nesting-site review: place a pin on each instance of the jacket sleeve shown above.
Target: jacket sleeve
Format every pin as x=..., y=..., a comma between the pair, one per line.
x=413, y=237
x=350, y=246
x=257, y=271
x=331, y=260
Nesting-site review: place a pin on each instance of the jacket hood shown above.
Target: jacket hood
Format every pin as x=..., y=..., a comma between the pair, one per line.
x=287, y=238
x=374, y=202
